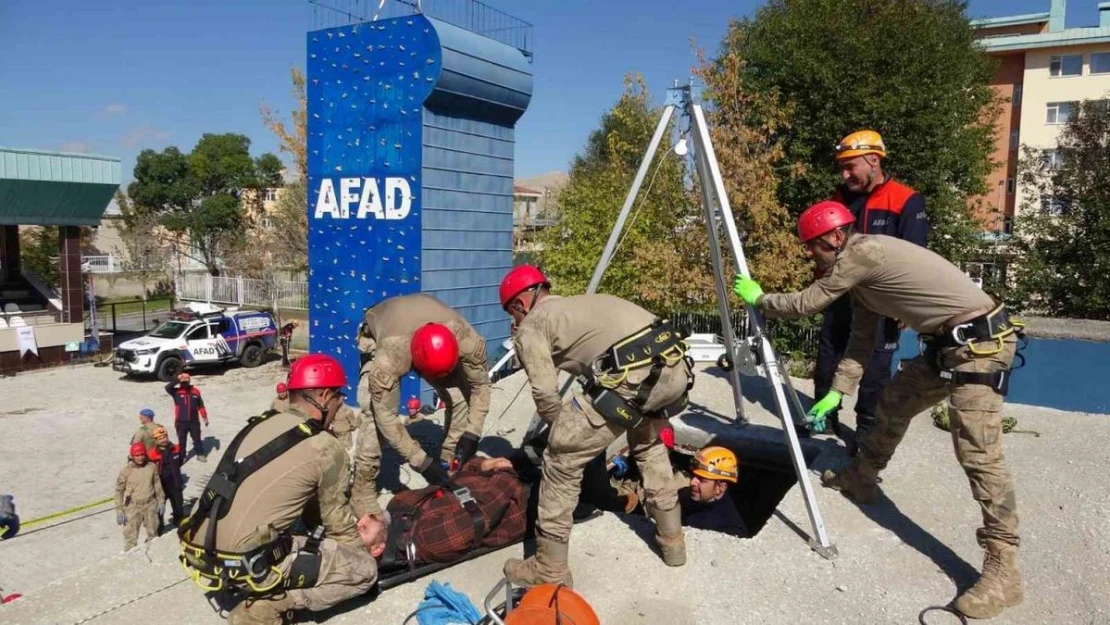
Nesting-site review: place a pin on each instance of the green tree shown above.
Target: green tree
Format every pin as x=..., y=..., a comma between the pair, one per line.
x=644, y=267
x=907, y=68
x=1062, y=233
x=40, y=253
x=202, y=194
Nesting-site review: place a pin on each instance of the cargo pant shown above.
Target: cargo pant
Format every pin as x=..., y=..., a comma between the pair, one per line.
x=579, y=434
x=976, y=417
x=347, y=570
x=456, y=421
x=139, y=513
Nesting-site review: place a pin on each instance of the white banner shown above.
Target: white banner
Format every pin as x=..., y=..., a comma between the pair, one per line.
x=27, y=341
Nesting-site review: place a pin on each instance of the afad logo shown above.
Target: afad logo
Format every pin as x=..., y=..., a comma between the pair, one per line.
x=362, y=198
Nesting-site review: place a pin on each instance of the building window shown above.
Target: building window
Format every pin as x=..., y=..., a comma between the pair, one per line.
x=1052, y=159
x=1017, y=95
x=1052, y=205
x=1059, y=112
x=1100, y=63
x=269, y=195
x=1008, y=225
x=1066, y=65
x=267, y=223
x=1010, y=186
x=1013, y=140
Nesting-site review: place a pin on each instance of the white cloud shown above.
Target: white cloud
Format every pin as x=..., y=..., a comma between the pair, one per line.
x=144, y=134
x=115, y=108
x=77, y=146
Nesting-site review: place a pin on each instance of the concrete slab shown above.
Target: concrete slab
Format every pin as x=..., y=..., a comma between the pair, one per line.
x=65, y=435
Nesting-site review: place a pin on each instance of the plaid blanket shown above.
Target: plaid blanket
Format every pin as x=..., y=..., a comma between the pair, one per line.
x=444, y=528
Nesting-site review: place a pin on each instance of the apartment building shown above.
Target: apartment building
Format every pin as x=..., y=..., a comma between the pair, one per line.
x=1045, y=70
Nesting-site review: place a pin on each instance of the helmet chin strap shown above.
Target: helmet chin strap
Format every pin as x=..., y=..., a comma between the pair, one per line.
x=315, y=404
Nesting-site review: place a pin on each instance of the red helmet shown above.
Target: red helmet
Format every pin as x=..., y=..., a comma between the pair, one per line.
x=282, y=388
x=316, y=371
x=137, y=449
x=518, y=280
x=822, y=218
x=435, y=350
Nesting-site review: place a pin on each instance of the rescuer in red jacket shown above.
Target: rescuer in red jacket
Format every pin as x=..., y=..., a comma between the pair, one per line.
x=188, y=412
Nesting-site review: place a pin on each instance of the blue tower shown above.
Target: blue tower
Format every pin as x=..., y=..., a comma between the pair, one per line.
x=410, y=173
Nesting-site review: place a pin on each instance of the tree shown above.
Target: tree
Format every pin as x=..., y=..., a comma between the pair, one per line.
x=645, y=267
x=40, y=253
x=907, y=68
x=202, y=194
x=289, y=235
x=144, y=255
x=293, y=138
x=1062, y=233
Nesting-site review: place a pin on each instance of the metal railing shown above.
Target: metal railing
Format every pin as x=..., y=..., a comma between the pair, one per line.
x=136, y=317
x=472, y=15
x=239, y=291
x=106, y=263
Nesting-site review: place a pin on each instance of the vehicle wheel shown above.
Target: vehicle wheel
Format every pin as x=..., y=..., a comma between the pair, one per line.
x=724, y=363
x=252, y=356
x=170, y=368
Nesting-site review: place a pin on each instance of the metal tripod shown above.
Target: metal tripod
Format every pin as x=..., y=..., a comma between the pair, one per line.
x=754, y=354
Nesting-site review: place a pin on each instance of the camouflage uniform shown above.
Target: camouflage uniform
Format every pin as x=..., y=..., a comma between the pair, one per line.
x=385, y=334
x=145, y=435
x=138, y=496
x=270, y=500
x=279, y=404
x=570, y=334
x=893, y=278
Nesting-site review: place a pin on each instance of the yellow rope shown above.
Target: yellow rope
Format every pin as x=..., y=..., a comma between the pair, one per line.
x=63, y=513
x=942, y=421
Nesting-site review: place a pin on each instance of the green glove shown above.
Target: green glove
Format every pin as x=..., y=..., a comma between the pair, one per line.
x=816, y=416
x=748, y=290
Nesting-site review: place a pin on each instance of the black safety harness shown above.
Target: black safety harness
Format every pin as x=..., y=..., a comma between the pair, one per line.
x=248, y=571
x=659, y=345
x=983, y=336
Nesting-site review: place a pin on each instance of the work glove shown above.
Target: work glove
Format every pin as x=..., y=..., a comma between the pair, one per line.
x=747, y=289
x=816, y=417
x=121, y=519
x=432, y=471
x=620, y=467
x=465, y=449
x=161, y=508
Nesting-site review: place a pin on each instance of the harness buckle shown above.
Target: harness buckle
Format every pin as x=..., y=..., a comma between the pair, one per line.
x=463, y=494
x=251, y=564
x=958, y=335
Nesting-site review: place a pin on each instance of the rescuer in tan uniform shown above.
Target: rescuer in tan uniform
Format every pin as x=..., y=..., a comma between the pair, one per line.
x=139, y=497
x=145, y=433
x=275, y=467
x=417, y=332
x=971, y=343
x=635, y=376
x=281, y=399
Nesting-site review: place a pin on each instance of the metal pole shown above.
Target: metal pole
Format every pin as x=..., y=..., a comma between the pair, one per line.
x=615, y=235
x=703, y=143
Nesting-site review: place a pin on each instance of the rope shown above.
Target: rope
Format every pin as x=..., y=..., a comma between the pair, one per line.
x=1009, y=424
x=129, y=602
x=61, y=514
x=940, y=608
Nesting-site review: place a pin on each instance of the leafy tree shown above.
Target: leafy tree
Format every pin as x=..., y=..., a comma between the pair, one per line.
x=1062, y=233
x=40, y=252
x=293, y=137
x=907, y=68
x=202, y=194
x=145, y=251
x=645, y=266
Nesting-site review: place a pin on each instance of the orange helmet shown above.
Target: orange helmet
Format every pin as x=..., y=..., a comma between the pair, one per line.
x=859, y=143
x=552, y=604
x=159, y=434
x=716, y=463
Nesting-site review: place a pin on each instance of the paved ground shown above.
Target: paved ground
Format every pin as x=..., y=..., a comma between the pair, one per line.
x=64, y=433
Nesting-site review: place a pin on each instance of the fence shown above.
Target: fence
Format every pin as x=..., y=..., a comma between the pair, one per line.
x=134, y=317
x=240, y=291
x=797, y=338
x=107, y=263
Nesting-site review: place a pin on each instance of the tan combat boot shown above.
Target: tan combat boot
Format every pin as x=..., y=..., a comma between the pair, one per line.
x=858, y=482
x=999, y=586
x=261, y=611
x=548, y=566
x=669, y=535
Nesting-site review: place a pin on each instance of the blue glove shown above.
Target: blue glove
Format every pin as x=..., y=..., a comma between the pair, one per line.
x=620, y=467
x=816, y=416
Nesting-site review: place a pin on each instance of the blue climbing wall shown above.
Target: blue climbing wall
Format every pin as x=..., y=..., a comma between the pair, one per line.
x=410, y=171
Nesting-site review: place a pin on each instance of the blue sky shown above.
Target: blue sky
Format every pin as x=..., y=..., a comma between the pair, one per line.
x=114, y=77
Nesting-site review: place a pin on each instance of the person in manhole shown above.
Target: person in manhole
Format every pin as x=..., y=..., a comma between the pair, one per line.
x=417, y=332
x=635, y=375
x=281, y=468
x=970, y=346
